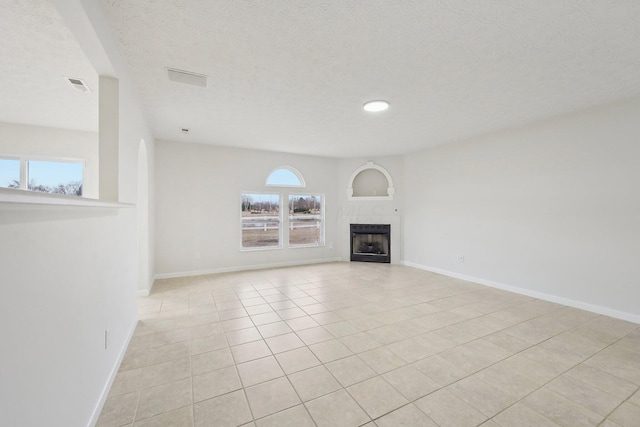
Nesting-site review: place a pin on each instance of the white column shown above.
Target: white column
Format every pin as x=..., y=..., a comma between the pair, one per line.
x=108, y=137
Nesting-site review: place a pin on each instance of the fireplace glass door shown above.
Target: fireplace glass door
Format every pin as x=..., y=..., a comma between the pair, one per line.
x=371, y=242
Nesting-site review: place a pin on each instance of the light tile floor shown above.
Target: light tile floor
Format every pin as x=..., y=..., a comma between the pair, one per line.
x=351, y=344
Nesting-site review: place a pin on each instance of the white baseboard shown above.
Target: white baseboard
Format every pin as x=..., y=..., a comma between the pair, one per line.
x=112, y=376
x=534, y=294
x=146, y=292
x=243, y=268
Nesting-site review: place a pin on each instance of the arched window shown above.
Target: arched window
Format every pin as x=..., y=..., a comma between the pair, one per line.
x=285, y=176
x=264, y=219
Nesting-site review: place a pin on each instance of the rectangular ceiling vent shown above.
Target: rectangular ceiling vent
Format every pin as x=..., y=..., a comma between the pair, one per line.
x=78, y=84
x=187, y=77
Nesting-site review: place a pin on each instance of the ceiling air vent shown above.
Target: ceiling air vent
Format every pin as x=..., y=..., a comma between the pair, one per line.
x=187, y=77
x=78, y=84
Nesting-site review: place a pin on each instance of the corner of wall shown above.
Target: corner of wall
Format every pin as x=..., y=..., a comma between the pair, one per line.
x=629, y=317
x=112, y=376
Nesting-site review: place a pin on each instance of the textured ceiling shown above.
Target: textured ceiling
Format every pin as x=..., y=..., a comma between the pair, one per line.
x=292, y=75
x=38, y=50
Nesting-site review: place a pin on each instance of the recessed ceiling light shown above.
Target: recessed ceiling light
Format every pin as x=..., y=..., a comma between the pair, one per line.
x=375, y=106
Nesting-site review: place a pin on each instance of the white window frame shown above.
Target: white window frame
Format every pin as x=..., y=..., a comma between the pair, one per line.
x=24, y=170
x=284, y=234
x=21, y=174
x=293, y=170
x=322, y=221
x=281, y=222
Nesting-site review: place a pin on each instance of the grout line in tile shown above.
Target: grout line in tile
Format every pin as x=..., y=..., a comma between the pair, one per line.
x=619, y=405
x=341, y=288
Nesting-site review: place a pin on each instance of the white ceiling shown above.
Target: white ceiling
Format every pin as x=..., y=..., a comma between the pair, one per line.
x=292, y=75
x=38, y=51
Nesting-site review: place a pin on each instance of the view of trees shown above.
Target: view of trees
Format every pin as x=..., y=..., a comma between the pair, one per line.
x=260, y=203
x=304, y=204
x=70, y=188
x=262, y=225
x=260, y=220
x=305, y=220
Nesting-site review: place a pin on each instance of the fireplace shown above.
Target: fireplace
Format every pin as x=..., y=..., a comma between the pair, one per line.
x=371, y=242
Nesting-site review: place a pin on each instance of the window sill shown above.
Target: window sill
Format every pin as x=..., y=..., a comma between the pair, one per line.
x=13, y=199
x=311, y=245
x=260, y=248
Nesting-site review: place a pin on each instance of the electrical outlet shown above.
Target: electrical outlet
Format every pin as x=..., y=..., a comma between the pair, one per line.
x=460, y=258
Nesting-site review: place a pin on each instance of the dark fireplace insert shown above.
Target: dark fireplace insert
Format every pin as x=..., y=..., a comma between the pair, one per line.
x=371, y=242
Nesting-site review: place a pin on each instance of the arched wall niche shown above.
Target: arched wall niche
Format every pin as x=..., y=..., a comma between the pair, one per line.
x=370, y=182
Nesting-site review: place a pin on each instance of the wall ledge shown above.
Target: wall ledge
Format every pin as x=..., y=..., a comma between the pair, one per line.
x=14, y=199
x=598, y=309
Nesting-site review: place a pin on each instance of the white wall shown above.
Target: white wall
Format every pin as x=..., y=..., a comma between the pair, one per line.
x=133, y=132
x=69, y=274
x=198, y=190
x=45, y=142
x=550, y=208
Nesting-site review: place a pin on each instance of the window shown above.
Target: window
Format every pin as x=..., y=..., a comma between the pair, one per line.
x=306, y=220
x=55, y=177
x=9, y=173
x=44, y=176
x=285, y=177
x=261, y=222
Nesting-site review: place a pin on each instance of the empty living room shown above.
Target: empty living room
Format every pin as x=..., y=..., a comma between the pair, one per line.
x=319, y=213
